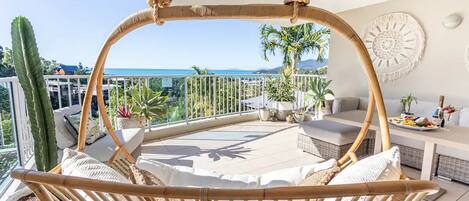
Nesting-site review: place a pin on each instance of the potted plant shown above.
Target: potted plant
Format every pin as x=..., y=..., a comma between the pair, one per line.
x=273, y=114
x=290, y=119
x=319, y=89
x=264, y=114
x=125, y=119
x=299, y=115
x=281, y=91
x=147, y=104
x=406, y=102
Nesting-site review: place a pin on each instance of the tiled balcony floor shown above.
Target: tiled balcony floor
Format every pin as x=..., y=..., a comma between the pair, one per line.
x=252, y=148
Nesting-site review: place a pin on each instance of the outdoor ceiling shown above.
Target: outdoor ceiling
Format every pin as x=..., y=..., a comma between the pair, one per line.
x=334, y=6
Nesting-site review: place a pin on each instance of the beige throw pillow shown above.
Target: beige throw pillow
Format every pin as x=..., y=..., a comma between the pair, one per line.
x=143, y=177
x=321, y=177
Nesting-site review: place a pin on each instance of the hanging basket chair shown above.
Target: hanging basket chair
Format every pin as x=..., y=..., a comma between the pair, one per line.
x=47, y=185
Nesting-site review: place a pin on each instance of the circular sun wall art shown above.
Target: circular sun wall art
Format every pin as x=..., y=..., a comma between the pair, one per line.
x=396, y=42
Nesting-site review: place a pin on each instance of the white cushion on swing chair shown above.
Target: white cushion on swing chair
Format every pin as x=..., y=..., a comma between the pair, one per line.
x=81, y=165
x=192, y=177
x=104, y=148
x=384, y=166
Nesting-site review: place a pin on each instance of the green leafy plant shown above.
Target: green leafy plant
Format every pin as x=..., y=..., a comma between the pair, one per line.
x=294, y=42
x=319, y=89
x=30, y=75
x=406, y=102
x=281, y=88
x=148, y=104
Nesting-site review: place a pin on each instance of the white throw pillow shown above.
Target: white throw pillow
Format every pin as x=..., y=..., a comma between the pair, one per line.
x=186, y=176
x=81, y=165
x=384, y=166
x=63, y=136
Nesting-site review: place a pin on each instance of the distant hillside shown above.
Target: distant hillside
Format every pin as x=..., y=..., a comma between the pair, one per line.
x=306, y=65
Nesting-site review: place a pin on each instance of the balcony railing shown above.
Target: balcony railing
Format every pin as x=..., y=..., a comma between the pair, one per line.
x=191, y=97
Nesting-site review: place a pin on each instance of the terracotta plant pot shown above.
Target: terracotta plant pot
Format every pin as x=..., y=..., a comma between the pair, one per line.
x=133, y=122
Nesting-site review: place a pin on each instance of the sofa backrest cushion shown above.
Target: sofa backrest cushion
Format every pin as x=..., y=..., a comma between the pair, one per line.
x=423, y=108
x=64, y=138
x=464, y=117
x=345, y=104
x=393, y=106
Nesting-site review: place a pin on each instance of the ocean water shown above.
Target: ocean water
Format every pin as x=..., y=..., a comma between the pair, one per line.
x=141, y=71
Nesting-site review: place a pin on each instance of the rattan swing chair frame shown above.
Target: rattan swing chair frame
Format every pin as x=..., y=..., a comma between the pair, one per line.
x=54, y=186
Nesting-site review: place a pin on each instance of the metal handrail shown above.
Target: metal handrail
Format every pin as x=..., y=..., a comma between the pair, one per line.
x=202, y=96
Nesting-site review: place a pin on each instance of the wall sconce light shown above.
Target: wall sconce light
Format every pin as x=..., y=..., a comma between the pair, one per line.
x=452, y=21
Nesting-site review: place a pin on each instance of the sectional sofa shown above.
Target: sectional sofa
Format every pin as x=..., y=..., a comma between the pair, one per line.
x=451, y=163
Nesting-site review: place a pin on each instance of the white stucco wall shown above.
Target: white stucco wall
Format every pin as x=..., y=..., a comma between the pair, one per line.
x=442, y=70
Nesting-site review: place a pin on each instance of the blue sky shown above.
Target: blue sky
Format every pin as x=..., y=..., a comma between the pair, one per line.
x=71, y=31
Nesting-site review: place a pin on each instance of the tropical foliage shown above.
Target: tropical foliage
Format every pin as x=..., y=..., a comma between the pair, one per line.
x=148, y=104
x=200, y=71
x=281, y=88
x=294, y=42
x=30, y=75
x=6, y=63
x=81, y=70
x=7, y=68
x=319, y=89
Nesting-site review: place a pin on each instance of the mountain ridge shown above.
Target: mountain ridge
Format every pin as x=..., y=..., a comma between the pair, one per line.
x=305, y=65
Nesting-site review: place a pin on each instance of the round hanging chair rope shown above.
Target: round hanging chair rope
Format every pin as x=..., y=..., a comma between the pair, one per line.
x=157, y=20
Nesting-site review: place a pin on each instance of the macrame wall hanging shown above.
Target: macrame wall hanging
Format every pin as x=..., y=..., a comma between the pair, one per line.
x=396, y=42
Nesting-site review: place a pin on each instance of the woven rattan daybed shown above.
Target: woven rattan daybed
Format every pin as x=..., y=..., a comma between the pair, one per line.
x=54, y=186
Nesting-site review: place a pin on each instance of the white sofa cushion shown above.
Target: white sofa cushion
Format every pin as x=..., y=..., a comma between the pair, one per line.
x=186, y=176
x=81, y=165
x=64, y=138
x=384, y=166
x=331, y=132
x=345, y=104
x=423, y=108
x=103, y=148
x=393, y=106
x=464, y=117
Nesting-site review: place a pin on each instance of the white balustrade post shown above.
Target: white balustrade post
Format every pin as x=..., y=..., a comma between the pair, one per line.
x=185, y=101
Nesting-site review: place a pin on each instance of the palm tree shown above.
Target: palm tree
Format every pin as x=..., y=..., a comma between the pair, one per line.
x=293, y=42
x=200, y=71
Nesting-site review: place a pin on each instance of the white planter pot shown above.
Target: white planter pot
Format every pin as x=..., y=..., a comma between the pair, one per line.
x=264, y=114
x=284, y=106
x=284, y=109
x=124, y=123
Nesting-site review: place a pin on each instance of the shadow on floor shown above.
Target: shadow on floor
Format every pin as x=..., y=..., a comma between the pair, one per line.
x=181, y=152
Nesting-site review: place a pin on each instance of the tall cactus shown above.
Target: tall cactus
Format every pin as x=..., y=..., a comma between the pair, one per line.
x=29, y=71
